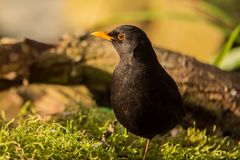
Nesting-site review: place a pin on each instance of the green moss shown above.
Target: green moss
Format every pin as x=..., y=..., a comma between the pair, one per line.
x=79, y=137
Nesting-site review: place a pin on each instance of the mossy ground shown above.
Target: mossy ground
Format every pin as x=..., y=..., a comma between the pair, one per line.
x=79, y=137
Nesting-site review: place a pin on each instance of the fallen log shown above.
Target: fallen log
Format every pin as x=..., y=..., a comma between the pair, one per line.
x=211, y=95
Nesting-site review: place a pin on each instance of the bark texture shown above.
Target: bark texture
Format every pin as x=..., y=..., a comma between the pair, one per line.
x=211, y=95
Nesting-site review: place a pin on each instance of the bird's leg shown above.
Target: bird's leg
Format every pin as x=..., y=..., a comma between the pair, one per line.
x=146, y=149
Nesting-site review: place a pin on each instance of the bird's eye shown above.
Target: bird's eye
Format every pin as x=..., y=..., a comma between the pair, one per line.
x=121, y=36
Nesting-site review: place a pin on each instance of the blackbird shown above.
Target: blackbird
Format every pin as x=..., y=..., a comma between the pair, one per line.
x=144, y=97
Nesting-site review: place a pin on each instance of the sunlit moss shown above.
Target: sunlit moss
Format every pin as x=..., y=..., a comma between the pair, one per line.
x=79, y=137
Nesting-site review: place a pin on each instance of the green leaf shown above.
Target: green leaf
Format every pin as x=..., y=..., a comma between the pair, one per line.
x=228, y=46
x=232, y=60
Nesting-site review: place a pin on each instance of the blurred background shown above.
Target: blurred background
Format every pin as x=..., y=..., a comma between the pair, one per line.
x=193, y=27
x=205, y=29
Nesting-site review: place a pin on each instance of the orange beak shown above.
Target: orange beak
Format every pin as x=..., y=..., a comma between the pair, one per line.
x=102, y=35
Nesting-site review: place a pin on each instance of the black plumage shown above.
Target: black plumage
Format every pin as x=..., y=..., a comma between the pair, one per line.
x=144, y=97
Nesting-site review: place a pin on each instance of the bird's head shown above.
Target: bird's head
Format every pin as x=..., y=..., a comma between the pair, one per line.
x=126, y=39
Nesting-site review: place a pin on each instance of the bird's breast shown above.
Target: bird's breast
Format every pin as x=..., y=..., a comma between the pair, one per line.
x=130, y=94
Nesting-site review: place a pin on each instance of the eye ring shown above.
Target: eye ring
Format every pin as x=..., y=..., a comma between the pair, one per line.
x=121, y=36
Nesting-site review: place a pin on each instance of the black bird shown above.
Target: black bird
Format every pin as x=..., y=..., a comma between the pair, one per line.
x=144, y=97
